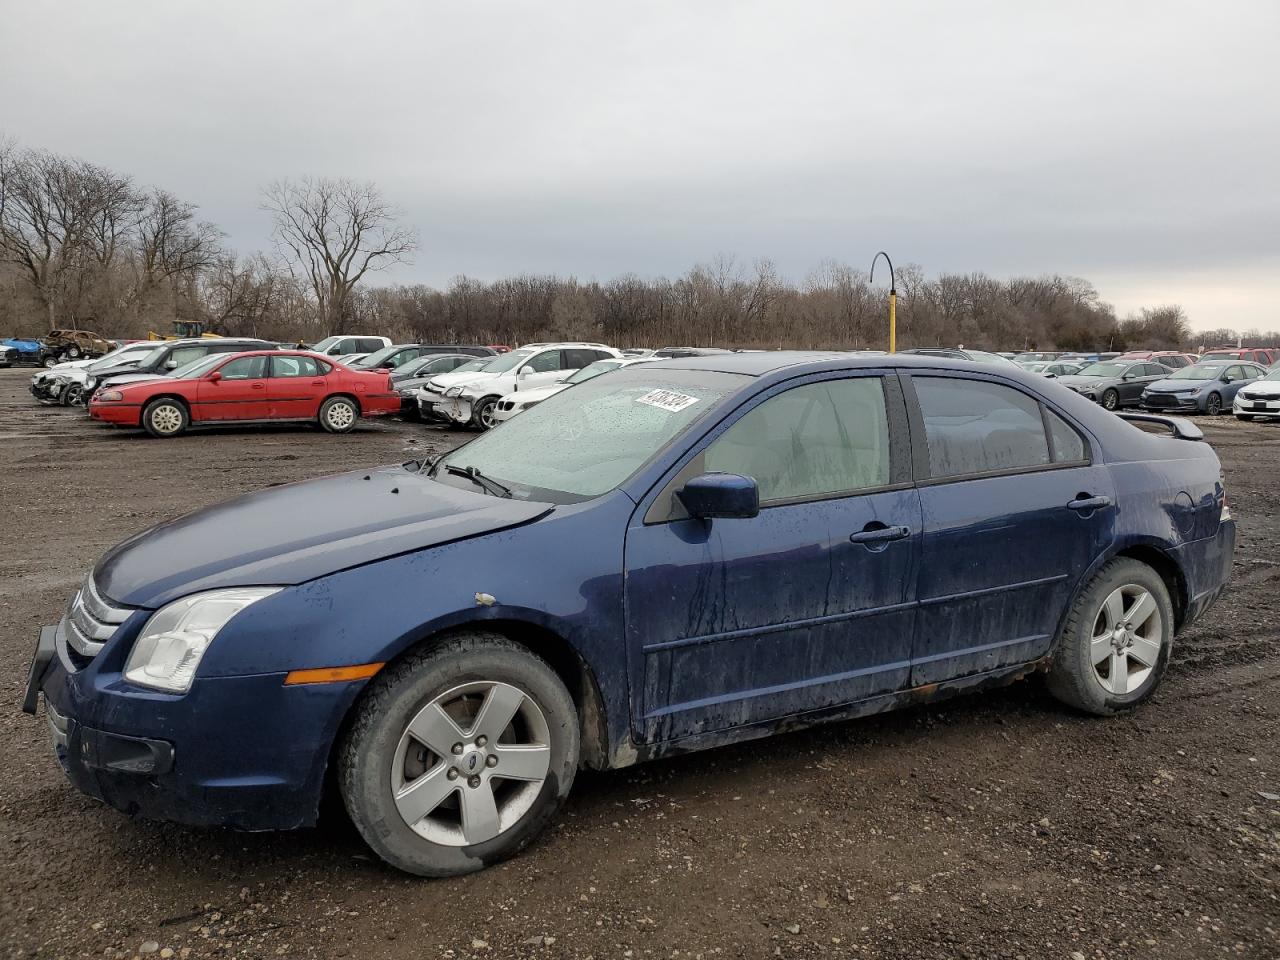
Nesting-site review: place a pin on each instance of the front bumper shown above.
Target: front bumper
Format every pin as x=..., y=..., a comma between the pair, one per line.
x=456, y=410
x=1170, y=402
x=1259, y=407
x=245, y=752
x=127, y=414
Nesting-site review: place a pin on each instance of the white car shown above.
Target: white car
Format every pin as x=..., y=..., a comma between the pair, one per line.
x=431, y=394
x=51, y=383
x=474, y=400
x=1259, y=399
x=343, y=344
x=521, y=400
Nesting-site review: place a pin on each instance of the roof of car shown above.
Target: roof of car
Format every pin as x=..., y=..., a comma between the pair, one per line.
x=759, y=364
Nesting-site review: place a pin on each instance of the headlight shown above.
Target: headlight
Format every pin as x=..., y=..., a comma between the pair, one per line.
x=453, y=392
x=432, y=385
x=169, y=649
x=108, y=395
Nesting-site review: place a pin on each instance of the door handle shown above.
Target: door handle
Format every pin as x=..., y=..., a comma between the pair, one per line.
x=259, y=386
x=317, y=383
x=879, y=534
x=1084, y=504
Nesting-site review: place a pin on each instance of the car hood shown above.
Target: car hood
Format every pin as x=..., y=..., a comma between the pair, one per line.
x=537, y=393
x=1176, y=386
x=1075, y=380
x=1263, y=388
x=297, y=532
x=127, y=378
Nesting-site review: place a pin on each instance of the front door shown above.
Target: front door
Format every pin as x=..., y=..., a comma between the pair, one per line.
x=1014, y=513
x=807, y=605
x=239, y=393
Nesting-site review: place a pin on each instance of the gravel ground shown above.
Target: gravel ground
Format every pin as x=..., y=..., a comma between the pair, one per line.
x=998, y=825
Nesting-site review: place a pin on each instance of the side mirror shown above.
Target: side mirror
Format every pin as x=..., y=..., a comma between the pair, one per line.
x=721, y=495
x=215, y=376
x=1225, y=378
x=524, y=372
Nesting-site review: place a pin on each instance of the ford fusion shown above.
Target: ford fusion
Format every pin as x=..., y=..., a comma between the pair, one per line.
x=678, y=555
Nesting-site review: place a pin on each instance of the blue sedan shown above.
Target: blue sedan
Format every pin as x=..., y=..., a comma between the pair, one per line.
x=1209, y=387
x=672, y=556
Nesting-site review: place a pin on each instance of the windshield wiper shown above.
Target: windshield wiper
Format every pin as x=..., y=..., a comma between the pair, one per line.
x=479, y=479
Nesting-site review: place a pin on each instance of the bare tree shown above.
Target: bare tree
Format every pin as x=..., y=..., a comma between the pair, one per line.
x=56, y=214
x=336, y=231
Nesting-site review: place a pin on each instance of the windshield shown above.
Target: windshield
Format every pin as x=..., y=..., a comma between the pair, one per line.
x=1104, y=370
x=197, y=368
x=508, y=361
x=981, y=356
x=592, y=370
x=119, y=355
x=375, y=358
x=581, y=443
x=151, y=357
x=1273, y=375
x=1199, y=372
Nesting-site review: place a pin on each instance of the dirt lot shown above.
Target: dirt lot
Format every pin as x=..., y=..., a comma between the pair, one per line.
x=993, y=826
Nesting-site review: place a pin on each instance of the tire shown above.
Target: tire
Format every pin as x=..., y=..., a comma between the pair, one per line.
x=72, y=395
x=482, y=415
x=378, y=756
x=1110, y=400
x=49, y=361
x=339, y=414
x=1213, y=404
x=160, y=419
x=73, y=352
x=1086, y=664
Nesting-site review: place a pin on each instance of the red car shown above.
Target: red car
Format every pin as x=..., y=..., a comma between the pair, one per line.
x=249, y=388
x=1263, y=355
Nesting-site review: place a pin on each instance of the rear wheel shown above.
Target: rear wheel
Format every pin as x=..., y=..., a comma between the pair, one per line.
x=73, y=352
x=1110, y=400
x=1213, y=404
x=339, y=414
x=164, y=418
x=50, y=360
x=1115, y=644
x=459, y=755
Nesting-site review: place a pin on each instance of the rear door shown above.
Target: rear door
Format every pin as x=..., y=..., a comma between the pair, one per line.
x=296, y=386
x=239, y=393
x=1014, y=513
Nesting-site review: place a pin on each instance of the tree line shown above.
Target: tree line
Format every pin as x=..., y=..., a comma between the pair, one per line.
x=83, y=246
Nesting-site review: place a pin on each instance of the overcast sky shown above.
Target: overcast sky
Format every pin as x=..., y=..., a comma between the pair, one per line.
x=1135, y=144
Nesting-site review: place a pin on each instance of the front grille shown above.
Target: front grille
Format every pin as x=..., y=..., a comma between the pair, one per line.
x=1162, y=400
x=91, y=621
x=505, y=405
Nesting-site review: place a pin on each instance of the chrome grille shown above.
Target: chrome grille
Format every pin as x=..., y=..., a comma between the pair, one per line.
x=91, y=621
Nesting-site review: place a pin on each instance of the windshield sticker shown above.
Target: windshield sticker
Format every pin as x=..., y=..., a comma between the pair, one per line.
x=667, y=400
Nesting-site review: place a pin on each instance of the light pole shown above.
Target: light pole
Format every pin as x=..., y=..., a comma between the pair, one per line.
x=893, y=299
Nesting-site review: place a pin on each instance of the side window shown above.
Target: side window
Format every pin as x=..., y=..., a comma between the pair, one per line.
x=821, y=438
x=1068, y=445
x=244, y=368
x=545, y=362
x=180, y=355
x=973, y=426
x=1237, y=373
x=452, y=363
x=366, y=345
x=577, y=359
x=294, y=367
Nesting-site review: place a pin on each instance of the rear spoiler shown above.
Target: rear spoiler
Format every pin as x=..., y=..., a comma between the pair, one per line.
x=1180, y=427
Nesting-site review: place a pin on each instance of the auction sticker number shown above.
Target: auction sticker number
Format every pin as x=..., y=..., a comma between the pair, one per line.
x=667, y=400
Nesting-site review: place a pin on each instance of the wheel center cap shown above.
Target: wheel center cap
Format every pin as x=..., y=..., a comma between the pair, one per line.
x=471, y=762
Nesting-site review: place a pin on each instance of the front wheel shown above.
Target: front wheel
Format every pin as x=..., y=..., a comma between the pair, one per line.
x=50, y=361
x=339, y=414
x=1110, y=400
x=459, y=755
x=72, y=395
x=482, y=415
x=1115, y=644
x=164, y=418
x=1213, y=404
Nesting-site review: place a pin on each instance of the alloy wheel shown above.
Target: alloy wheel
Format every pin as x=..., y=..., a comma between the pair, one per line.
x=1110, y=400
x=1126, y=639
x=487, y=419
x=471, y=763
x=1213, y=406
